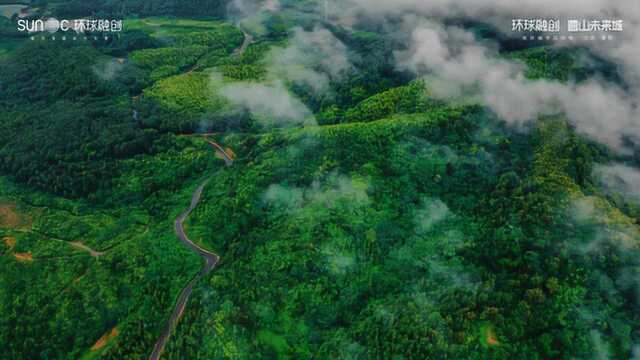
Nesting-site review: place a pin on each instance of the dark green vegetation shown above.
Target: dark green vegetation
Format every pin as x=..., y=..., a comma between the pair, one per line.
x=400, y=227
x=425, y=236
x=574, y=64
x=79, y=8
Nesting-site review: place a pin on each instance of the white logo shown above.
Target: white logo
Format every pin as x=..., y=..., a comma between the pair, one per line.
x=54, y=25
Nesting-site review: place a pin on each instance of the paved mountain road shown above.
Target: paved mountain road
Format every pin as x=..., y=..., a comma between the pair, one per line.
x=210, y=258
x=248, y=39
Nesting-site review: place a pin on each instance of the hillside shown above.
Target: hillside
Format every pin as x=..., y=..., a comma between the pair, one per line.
x=361, y=206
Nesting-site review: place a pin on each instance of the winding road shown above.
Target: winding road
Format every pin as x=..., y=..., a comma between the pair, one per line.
x=248, y=39
x=210, y=258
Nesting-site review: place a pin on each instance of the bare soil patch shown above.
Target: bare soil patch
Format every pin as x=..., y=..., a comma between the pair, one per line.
x=491, y=338
x=104, y=339
x=9, y=218
x=9, y=242
x=23, y=257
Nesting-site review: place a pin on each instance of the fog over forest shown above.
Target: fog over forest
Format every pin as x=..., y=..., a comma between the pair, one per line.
x=311, y=179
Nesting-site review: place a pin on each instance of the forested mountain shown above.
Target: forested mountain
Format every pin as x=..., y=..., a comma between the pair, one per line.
x=79, y=8
x=313, y=180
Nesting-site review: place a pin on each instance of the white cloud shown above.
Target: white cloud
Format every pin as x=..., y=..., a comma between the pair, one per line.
x=312, y=58
x=335, y=189
x=271, y=104
x=619, y=179
x=459, y=65
x=432, y=212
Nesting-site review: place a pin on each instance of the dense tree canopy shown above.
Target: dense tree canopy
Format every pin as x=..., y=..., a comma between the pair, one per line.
x=375, y=220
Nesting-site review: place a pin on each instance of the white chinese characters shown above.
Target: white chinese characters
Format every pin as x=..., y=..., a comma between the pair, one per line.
x=573, y=25
x=535, y=25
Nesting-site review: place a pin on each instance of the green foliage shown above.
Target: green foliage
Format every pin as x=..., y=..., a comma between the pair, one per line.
x=240, y=67
x=243, y=72
x=69, y=149
x=149, y=181
x=563, y=64
x=64, y=125
x=52, y=70
x=164, y=71
x=412, y=98
x=46, y=301
x=213, y=58
x=183, y=99
x=192, y=45
x=9, y=29
x=128, y=41
x=400, y=228
x=224, y=36
x=79, y=8
x=254, y=52
x=180, y=57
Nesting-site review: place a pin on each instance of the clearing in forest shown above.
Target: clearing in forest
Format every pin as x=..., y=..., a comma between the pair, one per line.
x=490, y=337
x=104, y=339
x=9, y=242
x=23, y=257
x=9, y=218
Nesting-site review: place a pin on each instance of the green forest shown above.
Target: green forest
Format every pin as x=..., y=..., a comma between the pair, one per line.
x=357, y=213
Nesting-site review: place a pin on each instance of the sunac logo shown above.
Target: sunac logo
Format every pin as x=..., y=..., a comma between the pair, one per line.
x=54, y=25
